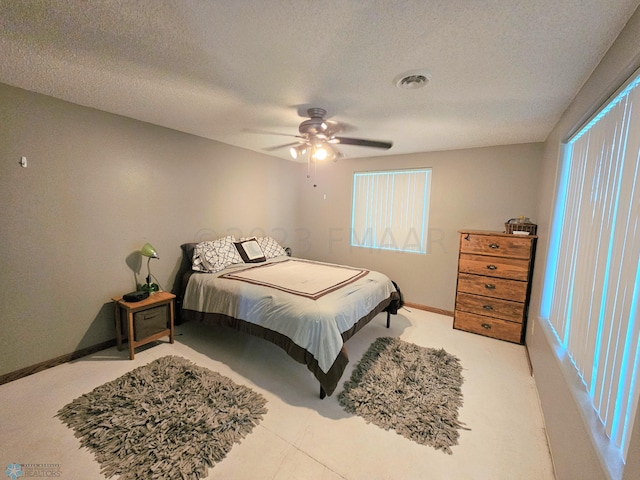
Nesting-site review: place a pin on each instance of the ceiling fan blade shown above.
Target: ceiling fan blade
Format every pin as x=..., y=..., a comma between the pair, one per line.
x=334, y=128
x=267, y=132
x=278, y=147
x=361, y=142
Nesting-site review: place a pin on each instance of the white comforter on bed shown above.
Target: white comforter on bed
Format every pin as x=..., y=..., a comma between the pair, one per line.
x=311, y=303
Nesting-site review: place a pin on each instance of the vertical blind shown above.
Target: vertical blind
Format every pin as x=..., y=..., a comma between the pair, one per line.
x=391, y=210
x=595, y=286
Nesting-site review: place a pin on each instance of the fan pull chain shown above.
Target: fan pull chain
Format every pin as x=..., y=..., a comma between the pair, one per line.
x=315, y=168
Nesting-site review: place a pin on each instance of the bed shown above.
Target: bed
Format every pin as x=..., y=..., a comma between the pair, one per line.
x=309, y=309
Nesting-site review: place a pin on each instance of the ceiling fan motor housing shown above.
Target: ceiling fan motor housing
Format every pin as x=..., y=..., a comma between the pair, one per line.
x=315, y=125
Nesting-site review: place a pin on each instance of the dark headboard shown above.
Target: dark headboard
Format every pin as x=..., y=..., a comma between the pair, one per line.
x=182, y=277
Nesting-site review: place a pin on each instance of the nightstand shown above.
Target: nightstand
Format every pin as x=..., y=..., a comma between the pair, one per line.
x=146, y=321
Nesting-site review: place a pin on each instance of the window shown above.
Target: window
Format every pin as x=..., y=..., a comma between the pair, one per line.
x=391, y=210
x=592, y=284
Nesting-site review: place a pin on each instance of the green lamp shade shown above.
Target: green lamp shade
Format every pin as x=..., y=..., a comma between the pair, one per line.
x=149, y=251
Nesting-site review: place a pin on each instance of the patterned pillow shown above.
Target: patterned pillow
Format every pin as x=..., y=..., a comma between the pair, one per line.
x=213, y=256
x=270, y=247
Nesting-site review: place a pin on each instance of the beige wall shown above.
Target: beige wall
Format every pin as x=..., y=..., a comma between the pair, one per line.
x=475, y=188
x=97, y=187
x=572, y=448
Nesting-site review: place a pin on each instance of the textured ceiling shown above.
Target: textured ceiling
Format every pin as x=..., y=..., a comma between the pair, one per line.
x=502, y=72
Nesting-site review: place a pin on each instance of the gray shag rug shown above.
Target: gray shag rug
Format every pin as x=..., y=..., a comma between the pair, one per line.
x=168, y=419
x=413, y=390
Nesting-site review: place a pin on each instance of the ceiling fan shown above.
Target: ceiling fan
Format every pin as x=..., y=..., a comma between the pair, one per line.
x=318, y=138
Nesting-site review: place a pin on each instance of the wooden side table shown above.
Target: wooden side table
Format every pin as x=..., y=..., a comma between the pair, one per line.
x=130, y=309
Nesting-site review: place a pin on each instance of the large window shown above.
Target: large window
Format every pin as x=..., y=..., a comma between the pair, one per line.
x=592, y=285
x=391, y=210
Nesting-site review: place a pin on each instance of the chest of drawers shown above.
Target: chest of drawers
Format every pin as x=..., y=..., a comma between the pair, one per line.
x=494, y=284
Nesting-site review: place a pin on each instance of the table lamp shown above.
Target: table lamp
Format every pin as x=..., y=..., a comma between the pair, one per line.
x=150, y=252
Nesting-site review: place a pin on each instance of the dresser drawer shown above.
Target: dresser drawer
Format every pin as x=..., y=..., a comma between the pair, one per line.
x=494, y=307
x=512, y=268
x=487, y=326
x=499, y=246
x=513, y=290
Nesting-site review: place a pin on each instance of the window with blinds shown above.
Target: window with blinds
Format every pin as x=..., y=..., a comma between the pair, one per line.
x=592, y=285
x=391, y=210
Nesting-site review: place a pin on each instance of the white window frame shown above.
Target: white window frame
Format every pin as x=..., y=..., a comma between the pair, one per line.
x=390, y=210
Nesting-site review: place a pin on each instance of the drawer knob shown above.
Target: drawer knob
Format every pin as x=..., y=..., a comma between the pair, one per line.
x=486, y=326
x=492, y=267
x=494, y=245
x=488, y=307
x=490, y=286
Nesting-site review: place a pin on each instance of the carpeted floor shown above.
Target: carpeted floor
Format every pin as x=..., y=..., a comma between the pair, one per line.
x=168, y=419
x=413, y=390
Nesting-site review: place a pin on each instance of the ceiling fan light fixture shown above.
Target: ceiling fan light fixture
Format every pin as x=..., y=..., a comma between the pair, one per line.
x=412, y=80
x=319, y=153
x=297, y=151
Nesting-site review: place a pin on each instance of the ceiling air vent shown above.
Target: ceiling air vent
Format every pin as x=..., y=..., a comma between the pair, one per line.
x=412, y=80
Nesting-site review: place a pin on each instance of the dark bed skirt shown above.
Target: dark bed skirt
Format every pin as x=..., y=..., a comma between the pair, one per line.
x=328, y=381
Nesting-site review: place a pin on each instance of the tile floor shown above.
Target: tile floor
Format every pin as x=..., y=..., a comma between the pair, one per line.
x=301, y=436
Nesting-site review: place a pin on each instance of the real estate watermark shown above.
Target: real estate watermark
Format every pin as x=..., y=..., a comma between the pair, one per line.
x=335, y=238
x=15, y=471
x=410, y=241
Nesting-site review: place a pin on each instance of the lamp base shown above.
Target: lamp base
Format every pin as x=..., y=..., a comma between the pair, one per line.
x=149, y=287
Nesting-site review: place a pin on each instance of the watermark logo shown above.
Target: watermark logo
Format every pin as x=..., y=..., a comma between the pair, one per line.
x=33, y=470
x=14, y=470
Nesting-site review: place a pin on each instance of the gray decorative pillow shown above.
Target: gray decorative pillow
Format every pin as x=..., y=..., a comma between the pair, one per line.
x=250, y=250
x=215, y=255
x=270, y=247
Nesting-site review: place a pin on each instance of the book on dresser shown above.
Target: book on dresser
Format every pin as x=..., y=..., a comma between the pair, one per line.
x=494, y=284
